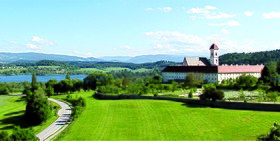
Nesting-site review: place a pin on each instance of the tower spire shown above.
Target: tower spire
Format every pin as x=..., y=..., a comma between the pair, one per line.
x=214, y=56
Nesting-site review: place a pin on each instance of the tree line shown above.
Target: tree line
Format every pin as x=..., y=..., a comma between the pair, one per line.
x=254, y=58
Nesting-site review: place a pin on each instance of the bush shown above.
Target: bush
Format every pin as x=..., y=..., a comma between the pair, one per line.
x=76, y=111
x=4, y=91
x=273, y=135
x=190, y=94
x=23, y=135
x=210, y=92
x=4, y=136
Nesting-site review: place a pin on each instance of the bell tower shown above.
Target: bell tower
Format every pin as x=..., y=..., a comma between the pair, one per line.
x=214, y=55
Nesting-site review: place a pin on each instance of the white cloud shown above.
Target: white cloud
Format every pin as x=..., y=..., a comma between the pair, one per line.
x=149, y=9
x=209, y=12
x=176, y=42
x=225, y=31
x=166, y=9
x=271, y=15
x=32, y=46
x=229, y=23
x=166, y=42
x=248, y=13
x=41, y=41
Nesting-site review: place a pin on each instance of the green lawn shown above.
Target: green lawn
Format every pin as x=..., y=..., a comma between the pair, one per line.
x=12, y=110
x=164, y=120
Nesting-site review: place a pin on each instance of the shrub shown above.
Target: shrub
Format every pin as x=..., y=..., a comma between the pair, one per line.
x=190, y=94
x=4, y=91
x=23, y=135
x=76, y=111
x=273, y=135
x=4, y=136
x=210, y=92
x=155, y=95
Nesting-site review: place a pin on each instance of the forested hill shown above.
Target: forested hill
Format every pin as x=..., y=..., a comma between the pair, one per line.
x=92, y=64
x=254, y=58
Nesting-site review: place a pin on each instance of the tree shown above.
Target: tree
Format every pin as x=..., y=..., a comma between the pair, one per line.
x=174, y=86
x=246, y=81
x=23, y=135
x=190, y=94
x=278, y=66
x=65, y=86
x=125, y=81
x=93, y=80
x=193, y=80
x=34, y=85
x=68, y=76
x=37, y=108
x=51, y=83
x=77, y=85
x=272, y=96
x=49, y=91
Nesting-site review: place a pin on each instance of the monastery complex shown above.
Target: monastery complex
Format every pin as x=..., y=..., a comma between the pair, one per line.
x=210, y=70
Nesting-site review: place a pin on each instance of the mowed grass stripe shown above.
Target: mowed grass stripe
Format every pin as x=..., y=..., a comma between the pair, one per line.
x=166, y=120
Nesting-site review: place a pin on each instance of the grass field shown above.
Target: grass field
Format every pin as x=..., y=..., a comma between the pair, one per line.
x=164, y=120
x=12, y=110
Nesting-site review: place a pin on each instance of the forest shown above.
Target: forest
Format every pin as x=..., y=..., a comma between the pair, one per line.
x=253, y=58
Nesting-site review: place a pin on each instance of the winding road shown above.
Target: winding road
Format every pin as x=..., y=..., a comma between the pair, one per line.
x=59, y=125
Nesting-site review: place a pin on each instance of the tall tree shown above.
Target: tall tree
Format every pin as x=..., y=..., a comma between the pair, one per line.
x=34, y=85
x=278, y=66
x=37, y=108
x=68, y=76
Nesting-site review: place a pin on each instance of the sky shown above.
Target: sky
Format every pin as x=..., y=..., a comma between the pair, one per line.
x=96, y=28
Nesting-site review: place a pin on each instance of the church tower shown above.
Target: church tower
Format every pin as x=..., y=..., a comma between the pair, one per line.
x=214, y=56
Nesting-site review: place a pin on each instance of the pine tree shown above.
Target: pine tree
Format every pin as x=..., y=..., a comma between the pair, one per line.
x=34, y=85
x=68, y=76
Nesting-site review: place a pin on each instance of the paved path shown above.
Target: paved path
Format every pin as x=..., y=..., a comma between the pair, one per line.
x=59, y=125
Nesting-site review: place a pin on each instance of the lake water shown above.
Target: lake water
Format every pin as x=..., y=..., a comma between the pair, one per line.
x=21, y=78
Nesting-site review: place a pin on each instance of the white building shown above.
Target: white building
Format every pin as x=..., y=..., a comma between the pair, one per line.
x=210, y=71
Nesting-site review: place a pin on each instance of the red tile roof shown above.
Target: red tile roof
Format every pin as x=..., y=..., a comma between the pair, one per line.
x=214, y=46
x=240, y=69
x=214, y=69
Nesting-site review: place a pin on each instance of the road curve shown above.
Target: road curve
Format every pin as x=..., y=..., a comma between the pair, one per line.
x=59, y=125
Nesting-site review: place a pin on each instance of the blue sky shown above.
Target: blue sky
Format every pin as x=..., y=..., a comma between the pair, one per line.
x=95, y=28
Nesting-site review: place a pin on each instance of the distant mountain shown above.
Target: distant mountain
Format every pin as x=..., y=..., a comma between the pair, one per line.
x=144, y=58
x=116, y=58
x=155, y=58
x=34, y=57
x=15, y=57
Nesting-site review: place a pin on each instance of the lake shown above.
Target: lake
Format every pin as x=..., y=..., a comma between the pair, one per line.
x=21, y=78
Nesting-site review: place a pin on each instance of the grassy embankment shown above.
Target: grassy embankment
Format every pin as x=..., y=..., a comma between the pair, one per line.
x=12, y=110
x=164, y=120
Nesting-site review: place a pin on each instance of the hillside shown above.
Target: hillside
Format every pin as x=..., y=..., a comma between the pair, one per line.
x=14, y=57
x=144, y=58
x=250, y=58
x=34, y=57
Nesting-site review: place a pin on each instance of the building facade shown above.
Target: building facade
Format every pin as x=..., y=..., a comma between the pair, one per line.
x=210, y=71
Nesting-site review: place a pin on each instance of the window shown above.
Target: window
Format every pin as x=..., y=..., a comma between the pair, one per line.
x=216, y=54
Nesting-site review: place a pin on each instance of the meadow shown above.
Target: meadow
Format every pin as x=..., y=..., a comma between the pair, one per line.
x=164, y=120
x=12, y=114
